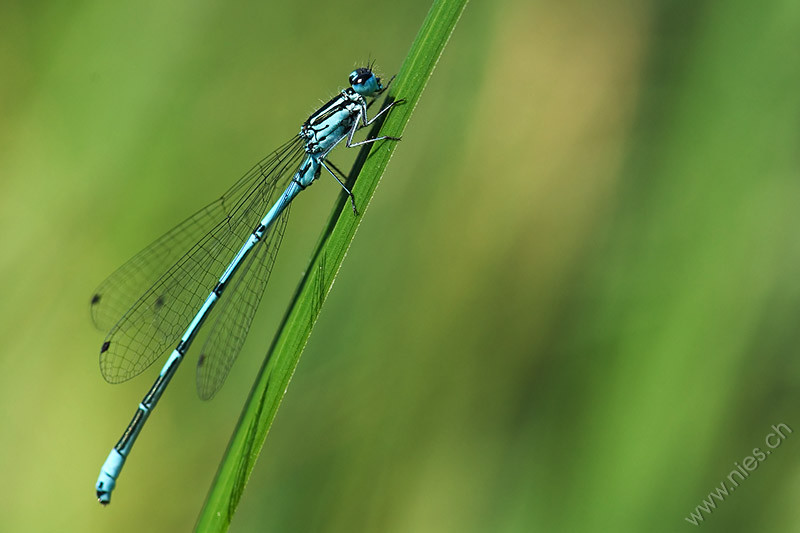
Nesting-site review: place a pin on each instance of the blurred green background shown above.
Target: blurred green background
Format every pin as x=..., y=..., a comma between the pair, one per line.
x=572, y=305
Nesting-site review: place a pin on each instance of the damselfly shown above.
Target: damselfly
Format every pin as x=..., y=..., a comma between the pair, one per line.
x=222, y=255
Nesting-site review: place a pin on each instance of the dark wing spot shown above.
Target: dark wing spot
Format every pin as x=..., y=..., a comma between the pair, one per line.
x=96, y=298
x=159, y=303
x=201, y=360
x=105, y=346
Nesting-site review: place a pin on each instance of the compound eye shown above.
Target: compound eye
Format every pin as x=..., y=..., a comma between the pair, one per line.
x=359, y=76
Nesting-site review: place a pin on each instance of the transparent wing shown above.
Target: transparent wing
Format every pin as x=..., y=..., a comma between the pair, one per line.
x=236, y=310
x=153, y=319
x=117, y=293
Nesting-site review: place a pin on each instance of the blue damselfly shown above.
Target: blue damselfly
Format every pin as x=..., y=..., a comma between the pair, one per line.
x=220, y=256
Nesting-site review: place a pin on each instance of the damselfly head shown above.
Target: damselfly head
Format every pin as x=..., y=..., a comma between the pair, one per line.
x=365, y=82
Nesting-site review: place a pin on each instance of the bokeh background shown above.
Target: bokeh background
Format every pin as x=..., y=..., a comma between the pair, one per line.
x=572, y=304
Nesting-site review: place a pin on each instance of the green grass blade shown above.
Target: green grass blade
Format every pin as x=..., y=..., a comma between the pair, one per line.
x=284, y=354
